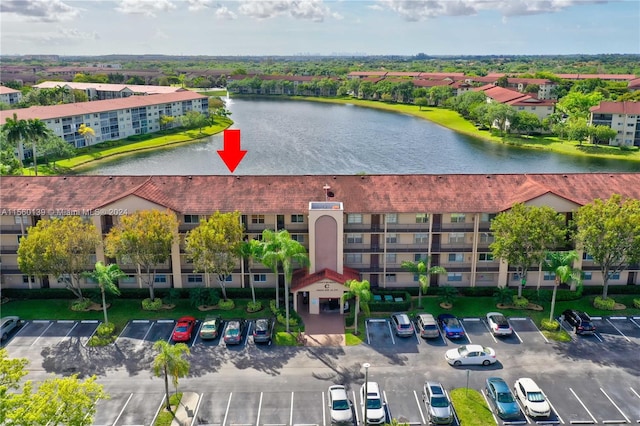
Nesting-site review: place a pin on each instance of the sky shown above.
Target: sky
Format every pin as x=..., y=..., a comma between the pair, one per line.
x=319, y=27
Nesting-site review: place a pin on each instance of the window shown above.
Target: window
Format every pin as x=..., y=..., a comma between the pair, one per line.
x=456, y=237
x=486, y=238
x=228, y=278
x=194, y=278
x=390, y=278
x=587, y=276
x=259, y=278
x=418, y=257
x=421, y=238
x=21, y=219
x=354, y=238
x=615, y=276
x=354, y=218
x=454, y=276
x=485, y=257
x=191, y=218
x=549, y=276
x=391, y=257
x=25, y=279
x=392, y=238
x=129, y=279
x=422, y=218
x=160, y=279
x=586, y=256
x=456, y=257
x=353, y=258
x=391, y=218
x=487, y=217
x=297, y=218
x=298, y=237
x=458, y=217
x=257, y=218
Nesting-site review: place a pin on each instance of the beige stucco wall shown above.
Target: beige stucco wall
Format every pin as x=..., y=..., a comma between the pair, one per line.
x=323, y=289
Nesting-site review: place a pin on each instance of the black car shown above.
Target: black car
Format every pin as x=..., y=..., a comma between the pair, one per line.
x=580, y=321
x=263, y=330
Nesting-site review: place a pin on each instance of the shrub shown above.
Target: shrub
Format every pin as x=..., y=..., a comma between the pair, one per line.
x=254, y=307
x=81, y=305
x=552, y=325
x=272, y=306
x=281, y=318
x=172, y=296
x=636, y=303
x=605, y=304
x=448, y=294
x=149, y=305
x=520, y=302
x=503, y=295
x=226, y=305
x=106, y=329
x=105, y=335
x=349, y=321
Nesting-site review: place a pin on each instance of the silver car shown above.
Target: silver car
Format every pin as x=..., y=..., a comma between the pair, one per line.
x=7, y=325
x=437, y=403
x=339, y=406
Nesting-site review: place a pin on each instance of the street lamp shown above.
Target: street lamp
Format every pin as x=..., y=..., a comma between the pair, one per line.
x=366, y=366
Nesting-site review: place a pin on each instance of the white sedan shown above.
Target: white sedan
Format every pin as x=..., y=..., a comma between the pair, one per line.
x=471, y=355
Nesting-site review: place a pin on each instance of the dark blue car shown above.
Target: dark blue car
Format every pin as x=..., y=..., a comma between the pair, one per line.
x=451, y=326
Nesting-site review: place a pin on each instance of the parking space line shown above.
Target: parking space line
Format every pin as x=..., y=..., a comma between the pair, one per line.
x=465, y=331
x=145, y=335
x=355, y=401
x=291, y=411
x=424, y=422
x=226, y=413
x=615, y=405
x=195, y=412
x=123, y=408
x=617, y=329
x=415, y=333
x=633, y=320
x=522, y=411
x=585, y=409
x=45, y=330
x=484, y=395
x=259, y=410
x=246, y=338
x=569, y=332
x=391, y=333
x=324, y=418
x=489, y=330
x=366, y=327
x=95, y=330
x=69, y=332
x=553, y=408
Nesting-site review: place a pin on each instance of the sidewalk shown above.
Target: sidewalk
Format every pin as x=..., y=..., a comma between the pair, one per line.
x=186, y=409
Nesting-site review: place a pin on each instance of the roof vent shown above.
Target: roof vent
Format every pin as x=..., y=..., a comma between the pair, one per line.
x=488, y=176
x=190, y=177
x=564, y=176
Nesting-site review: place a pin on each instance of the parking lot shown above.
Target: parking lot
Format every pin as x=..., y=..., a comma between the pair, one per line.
x=577, y=398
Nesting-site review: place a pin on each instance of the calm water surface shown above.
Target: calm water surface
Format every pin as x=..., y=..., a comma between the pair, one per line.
x=296, y=138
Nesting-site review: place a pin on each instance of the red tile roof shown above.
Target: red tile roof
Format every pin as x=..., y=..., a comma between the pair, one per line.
x=95, y=107
x=301, y=279
x=623, y=108
x=500, y=94
x=372, y=194
x=431, y=83
x=107, y=87
x=634, y=84
x=7, y=90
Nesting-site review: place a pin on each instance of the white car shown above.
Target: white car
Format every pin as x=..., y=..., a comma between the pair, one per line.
x=498, y=324
x=339, y=405
x=531, y=396
x=7, y=325
x=471, y=355
x=374, y=410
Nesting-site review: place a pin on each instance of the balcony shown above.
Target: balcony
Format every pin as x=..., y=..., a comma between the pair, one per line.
x=4, y=249
x=13, y=229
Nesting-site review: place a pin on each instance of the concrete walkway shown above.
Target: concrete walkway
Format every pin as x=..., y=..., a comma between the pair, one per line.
x=325, y=329
x=186, y=409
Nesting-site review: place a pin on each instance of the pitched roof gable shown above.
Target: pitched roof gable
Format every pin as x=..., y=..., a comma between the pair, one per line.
x=302, y=279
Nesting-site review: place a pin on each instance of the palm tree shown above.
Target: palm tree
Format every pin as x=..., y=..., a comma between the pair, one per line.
x=87, y=133
x=560, y=263
x=269, y=245
x=37, y=131
x=423, y=271
x=251, y=250
x=285, y=251
x=170, y=362
x=17, y=131
x=106, y=277
x=361, y=290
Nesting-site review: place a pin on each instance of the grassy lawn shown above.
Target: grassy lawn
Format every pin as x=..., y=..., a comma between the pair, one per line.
x=471, y=408
x=165, y=418
x=114, y=149
x=452, y=120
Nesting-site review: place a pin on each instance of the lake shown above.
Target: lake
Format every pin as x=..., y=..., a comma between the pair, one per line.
x=285, y=137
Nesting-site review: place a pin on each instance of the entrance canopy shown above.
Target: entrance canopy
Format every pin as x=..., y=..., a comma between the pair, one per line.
x=324, y=284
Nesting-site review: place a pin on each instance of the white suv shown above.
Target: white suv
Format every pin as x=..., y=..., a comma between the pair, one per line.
x=339, y=405
x=375, y=406
x=531, y=396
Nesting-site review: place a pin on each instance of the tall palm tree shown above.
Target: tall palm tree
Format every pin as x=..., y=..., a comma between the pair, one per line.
x=170, y=361
x=561, y=264
x=17, y=131
x=106, y=277
x=251, y=250
x=361, y=290
x=287, y=252
x=422, y=269
x=37, y=131
x=270, y=244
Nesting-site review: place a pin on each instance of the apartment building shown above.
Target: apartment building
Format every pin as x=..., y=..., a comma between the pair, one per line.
x=542, y=108
x=112, y=119
x=352, y=226
x=102, y=91
x=623, y=117
x=9, y=96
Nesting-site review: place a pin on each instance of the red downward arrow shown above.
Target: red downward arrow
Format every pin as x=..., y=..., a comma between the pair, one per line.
x=232, y=155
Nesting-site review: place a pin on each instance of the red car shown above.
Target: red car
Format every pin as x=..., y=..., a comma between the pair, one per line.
x=184, y=329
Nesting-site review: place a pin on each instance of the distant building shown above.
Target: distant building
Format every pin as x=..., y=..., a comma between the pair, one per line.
x=10, y=96
x=542, y=108
x=101, y=91
x=623, y=117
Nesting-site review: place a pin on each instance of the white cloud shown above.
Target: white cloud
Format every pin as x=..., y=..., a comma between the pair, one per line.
x=144, y=7
x=195, y=5
x=314, y=10
x=417, y=10
x=223, y=12
x=40, y=10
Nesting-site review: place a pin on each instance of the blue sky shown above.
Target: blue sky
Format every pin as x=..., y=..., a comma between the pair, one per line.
x=290, y=27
